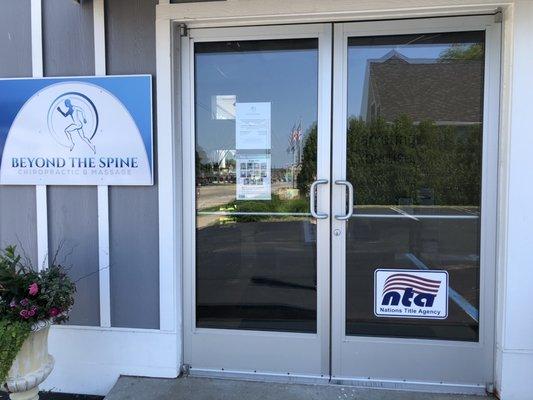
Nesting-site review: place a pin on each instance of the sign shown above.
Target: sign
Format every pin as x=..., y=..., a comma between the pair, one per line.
x=253, y=177
x=76, y=131
x=252, y=126
x=411, y=293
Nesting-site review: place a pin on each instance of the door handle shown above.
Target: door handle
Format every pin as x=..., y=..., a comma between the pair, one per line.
x=350, y=200
x=312, y=203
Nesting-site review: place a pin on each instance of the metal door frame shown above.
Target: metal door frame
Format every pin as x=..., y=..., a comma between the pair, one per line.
x=256, y=353
x=249, y=353
x=433, y=365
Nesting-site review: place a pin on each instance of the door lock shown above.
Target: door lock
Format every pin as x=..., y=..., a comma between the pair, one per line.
x=337, y=232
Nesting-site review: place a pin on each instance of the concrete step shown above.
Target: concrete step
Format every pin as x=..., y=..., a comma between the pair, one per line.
x=189, y=388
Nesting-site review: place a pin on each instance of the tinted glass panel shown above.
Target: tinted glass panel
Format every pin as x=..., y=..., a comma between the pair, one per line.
x=414, y=158
x=255, y=241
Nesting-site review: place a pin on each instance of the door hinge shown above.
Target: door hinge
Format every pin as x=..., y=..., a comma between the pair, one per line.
x=185, y=369
x=184, y=31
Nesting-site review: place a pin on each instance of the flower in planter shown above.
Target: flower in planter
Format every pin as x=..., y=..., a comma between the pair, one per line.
x=29, y=298
x=33, y=289
x=54, y=312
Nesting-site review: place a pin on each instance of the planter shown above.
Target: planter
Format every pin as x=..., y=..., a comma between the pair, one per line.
x=32, y=365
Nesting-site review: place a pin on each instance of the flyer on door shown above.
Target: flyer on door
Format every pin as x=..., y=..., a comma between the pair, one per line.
x=253, y=177
x=252, y=126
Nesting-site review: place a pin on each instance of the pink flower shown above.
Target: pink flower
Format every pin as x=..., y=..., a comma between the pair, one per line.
x=24, y=302
x=25, y=314
x=54, y=312
x=31, y=312
x=33, y=289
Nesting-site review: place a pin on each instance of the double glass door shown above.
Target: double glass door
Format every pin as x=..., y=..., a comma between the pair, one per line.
x=339, y=189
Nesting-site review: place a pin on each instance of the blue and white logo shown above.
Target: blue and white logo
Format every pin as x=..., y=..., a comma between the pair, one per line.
x=73, y=114
x=76, y=131
x=411, y=293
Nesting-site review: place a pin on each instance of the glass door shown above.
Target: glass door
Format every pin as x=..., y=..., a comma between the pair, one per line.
x=256, y=212
x=363, y=253
x=415, y=139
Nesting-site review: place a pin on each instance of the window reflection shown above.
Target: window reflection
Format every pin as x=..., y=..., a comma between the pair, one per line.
x=256, y=256
x=414, y=142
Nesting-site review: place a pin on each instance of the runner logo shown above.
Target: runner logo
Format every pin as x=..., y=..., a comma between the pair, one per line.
x=411, y=293
x=72, y=118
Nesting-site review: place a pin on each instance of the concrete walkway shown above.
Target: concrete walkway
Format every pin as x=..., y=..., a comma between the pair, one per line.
x=188, y=388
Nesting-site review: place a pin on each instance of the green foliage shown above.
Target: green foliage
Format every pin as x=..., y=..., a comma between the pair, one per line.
x=30, y=295
x=276, y=204
x=12, y=336
x=474, y=51
x=308, y=171
x=395, y=163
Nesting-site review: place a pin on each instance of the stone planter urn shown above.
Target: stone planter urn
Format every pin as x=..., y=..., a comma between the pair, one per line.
x=32, y=365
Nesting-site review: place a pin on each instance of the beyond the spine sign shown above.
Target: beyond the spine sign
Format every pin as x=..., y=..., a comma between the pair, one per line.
x=75, y=162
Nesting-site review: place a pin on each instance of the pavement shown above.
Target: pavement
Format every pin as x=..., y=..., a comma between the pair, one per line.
x=132, y=388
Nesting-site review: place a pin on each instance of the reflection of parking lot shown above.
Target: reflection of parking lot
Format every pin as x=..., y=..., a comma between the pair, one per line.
x=422, y=237
x=256, y=275
x=220, y=194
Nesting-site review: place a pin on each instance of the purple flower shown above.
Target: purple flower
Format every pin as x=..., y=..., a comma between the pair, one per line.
x=24, y=314
x=33, y=289
x=24, y=302
x=54, y=312
x=13, y=303
x=31, y=312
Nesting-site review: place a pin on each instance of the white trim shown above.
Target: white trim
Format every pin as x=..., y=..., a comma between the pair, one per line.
x=102, y=191
x=99, y=37
x=91, y=360
x=103, y=256
x=40, y=190
x=263, y=12
x=42, y=226
x=169, y=238
x=506, y=64
x=36, y=38
x=269, y=12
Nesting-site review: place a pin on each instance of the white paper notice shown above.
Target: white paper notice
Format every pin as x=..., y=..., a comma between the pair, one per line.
x=252, y=126
x=253, y=177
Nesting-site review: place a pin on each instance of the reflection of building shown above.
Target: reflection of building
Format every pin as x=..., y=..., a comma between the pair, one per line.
x=422, y=89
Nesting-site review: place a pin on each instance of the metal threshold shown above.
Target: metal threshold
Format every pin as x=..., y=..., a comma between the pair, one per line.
x=133, y=388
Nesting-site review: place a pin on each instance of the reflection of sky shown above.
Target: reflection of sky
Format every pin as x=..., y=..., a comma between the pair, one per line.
x=286, y=78
x=358, y=57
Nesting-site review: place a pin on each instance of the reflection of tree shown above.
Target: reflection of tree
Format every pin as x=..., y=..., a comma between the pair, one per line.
x=308, y=165
x=396, y=163
x=456, y=51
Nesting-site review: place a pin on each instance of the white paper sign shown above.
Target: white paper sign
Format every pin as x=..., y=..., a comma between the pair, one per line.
x=252, y=126
x=408, y=293
x=253, y=177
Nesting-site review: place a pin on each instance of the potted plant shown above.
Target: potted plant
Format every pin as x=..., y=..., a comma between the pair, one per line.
x=30, y=301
